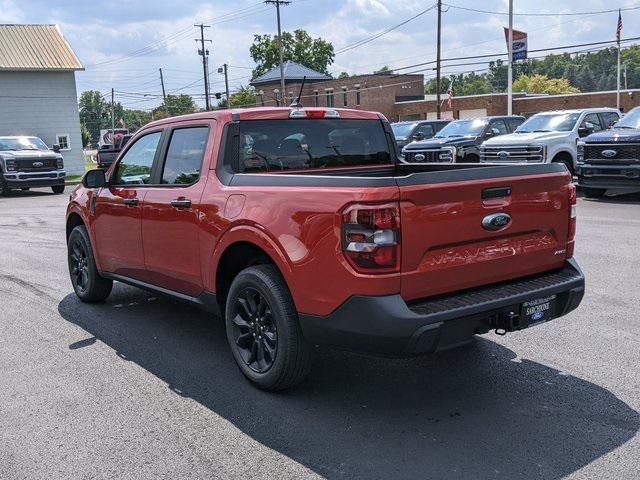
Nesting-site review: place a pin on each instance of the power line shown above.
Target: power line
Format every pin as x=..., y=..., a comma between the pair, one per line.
x=530, y=14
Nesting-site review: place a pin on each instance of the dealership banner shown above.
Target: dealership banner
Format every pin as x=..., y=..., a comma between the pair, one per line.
x=519, y=44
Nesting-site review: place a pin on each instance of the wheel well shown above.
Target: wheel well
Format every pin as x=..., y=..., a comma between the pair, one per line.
x=72, y=222
x=563, y=157
x=234, y=259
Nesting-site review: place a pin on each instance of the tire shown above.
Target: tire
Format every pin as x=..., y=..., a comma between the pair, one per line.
x=4, y=191
x=567, y=163
x=594, y=192
x=260, y=317
x=57, y=189
x=89, y=286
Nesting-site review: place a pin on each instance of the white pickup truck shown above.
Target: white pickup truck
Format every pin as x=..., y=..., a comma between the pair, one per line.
x=548, y=137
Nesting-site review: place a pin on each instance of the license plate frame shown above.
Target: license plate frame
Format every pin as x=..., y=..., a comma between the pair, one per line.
x=538, y=310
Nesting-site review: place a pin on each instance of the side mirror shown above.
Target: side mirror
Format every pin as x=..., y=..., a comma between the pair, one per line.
x=56, y=148
x=94, y=179
x=416, y=137
x=492, y=132
x=584, y=131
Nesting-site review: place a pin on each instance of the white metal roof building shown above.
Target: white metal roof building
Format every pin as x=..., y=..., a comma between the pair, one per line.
x=38, y=89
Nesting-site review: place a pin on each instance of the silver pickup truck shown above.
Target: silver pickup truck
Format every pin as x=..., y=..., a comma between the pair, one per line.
x=27, y=162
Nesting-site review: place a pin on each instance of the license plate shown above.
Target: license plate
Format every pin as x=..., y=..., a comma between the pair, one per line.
x=537, y=311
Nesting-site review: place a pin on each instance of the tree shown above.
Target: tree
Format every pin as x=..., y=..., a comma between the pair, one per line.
x=175, y=105
x=543, y=84
x=586, y=80
x=384, y=69
x=134, y=119
x=243, y=97
x=314, y=53
x=94, y=113
x=86, y=136
x=343, y=75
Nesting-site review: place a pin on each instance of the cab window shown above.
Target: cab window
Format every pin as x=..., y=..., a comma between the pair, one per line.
x=500, y=126
x=609, y=118
x=184, y=156
x=592, y=122
x=135, y=166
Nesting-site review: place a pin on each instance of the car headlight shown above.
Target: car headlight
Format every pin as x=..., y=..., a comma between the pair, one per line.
x=448, y=154
x=11, y=165
x=580, y=157
x=60, y=164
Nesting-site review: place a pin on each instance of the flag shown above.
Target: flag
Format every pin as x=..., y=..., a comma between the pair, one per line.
x=121, y=123
x=450, y=93
x=519, y=45
x=619, y=27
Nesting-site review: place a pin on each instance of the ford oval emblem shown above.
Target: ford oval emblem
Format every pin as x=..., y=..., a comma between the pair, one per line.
x=503, y=155
x=496, y=221
x=37, y=164
x=419, y=157
x=609, y=153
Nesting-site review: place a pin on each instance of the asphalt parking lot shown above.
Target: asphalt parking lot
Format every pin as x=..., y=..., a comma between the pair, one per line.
x=143, y=387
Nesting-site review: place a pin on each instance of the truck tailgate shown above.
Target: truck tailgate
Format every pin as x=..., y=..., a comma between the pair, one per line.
x=445, y=246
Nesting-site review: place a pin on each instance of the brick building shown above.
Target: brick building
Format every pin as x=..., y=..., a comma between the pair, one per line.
x=401, y=97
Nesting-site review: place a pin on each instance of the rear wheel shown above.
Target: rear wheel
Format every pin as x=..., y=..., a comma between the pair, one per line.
x=57, y=189
x=594, y=192
x=89, y=286
x=3, y=187
x=263, y=330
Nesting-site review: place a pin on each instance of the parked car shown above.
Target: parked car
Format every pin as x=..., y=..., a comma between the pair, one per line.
x=549, y=137
x=414, y=131
x=27, y=162
x=610, y=159
x=460, y=140
x=106, y=154
x=299, y=227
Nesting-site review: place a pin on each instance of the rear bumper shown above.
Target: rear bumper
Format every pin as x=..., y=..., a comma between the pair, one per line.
x=387, y=325
x=609, y=176
x=34, y=179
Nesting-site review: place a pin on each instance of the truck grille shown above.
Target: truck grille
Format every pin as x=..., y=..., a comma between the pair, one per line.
x=627, y=152
x=512, y=153
x=35, y=164
x=430, y=156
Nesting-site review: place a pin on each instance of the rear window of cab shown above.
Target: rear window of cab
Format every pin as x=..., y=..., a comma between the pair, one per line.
x=298, y=144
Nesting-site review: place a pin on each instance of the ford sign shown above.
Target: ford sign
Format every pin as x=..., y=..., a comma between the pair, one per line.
x=609, y=153
x=496, y=221
x=419, y=157
x=37, y=164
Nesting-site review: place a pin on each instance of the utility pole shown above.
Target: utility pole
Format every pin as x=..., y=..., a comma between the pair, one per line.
x=204, y=53
x=164, y=94
x=510, y=68
x=438, y=58
x=277, y=3
x=113, y=119
x=226, y=84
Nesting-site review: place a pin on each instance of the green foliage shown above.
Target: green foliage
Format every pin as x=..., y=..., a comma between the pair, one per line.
x=134, y=119
x=176, y=105
x=343, y=75
x=543, y=84
x=244, y=97
x=86, y=136
x=384, y=69
x=95, y=113
x=314, y=53
x=587, y=72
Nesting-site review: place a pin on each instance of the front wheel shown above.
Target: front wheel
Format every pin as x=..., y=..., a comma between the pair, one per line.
x=3, y=187
x=57, y=189
x=89, y=286
x=263, y=330
x=594, y=192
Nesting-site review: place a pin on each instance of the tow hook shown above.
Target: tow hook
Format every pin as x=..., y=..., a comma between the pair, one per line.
x=506, y=322
x=500, y=331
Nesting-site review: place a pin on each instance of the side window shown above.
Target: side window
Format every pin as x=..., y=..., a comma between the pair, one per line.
x=609, y=118
x=514, y=123
x=135, y=167
x=500, y=126
x=184, y=156
x=425, y=130
x=592, y=121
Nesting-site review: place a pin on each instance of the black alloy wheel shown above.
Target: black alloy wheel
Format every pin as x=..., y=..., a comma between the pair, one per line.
x=254, y=330
x=79, y=265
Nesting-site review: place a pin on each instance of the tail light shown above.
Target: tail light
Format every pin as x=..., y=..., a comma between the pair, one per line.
x=371, y=237
x=314, y=113
x=572, y=220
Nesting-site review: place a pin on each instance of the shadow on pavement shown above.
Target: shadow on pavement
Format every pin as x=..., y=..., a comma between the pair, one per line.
x=476, y=412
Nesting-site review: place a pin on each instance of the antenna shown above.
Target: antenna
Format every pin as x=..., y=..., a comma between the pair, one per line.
x=296, y=102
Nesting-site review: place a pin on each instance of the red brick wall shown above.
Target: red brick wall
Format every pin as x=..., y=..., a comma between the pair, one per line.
x=628, y=100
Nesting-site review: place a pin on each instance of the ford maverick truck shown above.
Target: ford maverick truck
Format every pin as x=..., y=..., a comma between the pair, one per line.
x=299, y=227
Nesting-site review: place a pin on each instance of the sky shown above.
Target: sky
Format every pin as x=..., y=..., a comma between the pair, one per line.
x=122, y=44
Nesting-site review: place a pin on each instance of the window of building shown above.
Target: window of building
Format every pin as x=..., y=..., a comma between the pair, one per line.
x=344, y=96
x=316, y=98
x=357, y=94
x=62, y=139
x=329, y=92
x=184, y=156
x=135, y=167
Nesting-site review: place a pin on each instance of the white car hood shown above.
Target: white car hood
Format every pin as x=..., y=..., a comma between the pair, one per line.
x=526, y=138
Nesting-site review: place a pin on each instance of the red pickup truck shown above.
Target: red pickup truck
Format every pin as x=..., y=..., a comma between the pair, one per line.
x=300, y=227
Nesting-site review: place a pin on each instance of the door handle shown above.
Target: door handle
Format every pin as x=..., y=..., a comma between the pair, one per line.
x=181, y=203
x=497, y=192
x=132, y=202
